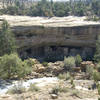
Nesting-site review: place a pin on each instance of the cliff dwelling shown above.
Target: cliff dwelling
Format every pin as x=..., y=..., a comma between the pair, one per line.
x=53, y=38
x=54, y=53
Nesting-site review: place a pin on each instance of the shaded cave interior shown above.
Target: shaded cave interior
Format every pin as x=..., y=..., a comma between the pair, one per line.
x=55, y=53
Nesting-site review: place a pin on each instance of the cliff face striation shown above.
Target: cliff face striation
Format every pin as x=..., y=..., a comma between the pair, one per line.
x=54, y=38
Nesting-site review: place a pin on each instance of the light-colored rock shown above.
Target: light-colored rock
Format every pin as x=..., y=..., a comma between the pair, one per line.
x=54, y=96
x=39, y=68
x=3, y=96
x=35, y=61
x=45, y=21
x=56, y=67
x=84, y=64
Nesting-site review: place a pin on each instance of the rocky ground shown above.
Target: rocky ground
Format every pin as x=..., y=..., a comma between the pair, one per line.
x=50, y=87
x=67, y=93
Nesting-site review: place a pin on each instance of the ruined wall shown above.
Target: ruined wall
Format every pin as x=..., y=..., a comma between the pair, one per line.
x=39, y=41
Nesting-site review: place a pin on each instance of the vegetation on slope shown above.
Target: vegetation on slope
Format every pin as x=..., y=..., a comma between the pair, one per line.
x=11, y=66
x=50, y=8
x=7, y=40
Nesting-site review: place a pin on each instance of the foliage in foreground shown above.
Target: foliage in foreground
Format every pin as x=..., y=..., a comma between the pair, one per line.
x=78, y=60
x=97, y=53
x=59, y=88
x=64, y=76
x=7, y=40
x=96, y=76
x=12, y=66
x=69, y=63
x=17, y=89
x=89, y=71
x=98, y=67
x=33, y=88
x=45, y=64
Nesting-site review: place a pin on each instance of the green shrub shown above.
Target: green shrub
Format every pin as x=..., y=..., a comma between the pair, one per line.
x=59, y=88
x=89, y=71
x=98, y=67
x=7, y=40
x=78, y=60
x=24, y=70
x=29, y=62
x=98, y=89
x=96, y=18
x=96, y=76
x=12, y=10
x=97, y=52
x=55, y=90
x=12, y=66
x=33, y=88
x=72, y=82
x=62, y=89
x=17, y=89
x=45, y=64
x=64, y=76
x=75, y=93
x=93, y=18
x=69, y=63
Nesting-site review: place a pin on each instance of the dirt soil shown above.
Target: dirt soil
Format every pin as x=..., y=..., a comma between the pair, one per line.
x=45, y=92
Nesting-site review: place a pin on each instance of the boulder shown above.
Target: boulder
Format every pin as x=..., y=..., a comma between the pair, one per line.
x=84, y=64
x=54, y=96
x=35, y=61
x=56, y=67
x=39, y=68
x=59, y=63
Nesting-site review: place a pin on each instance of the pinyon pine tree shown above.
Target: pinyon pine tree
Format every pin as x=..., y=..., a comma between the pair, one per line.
x=97, y=53
x=7, y=40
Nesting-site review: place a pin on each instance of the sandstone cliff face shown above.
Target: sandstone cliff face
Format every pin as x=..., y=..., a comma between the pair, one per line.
x=56, y=36
x=78, y=36
x=59, y=40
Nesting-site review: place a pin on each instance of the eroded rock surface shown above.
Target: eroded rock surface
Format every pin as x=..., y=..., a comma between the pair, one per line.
x=49, y=37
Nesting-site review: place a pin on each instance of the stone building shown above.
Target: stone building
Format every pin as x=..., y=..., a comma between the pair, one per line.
x=54, y=38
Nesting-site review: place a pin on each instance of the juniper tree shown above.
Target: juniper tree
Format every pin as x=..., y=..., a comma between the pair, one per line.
x=97, y=53
x=7, y=39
